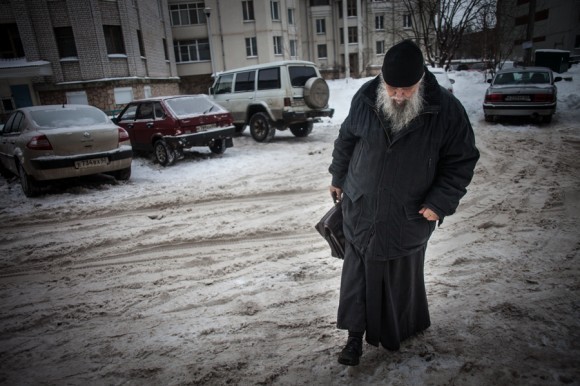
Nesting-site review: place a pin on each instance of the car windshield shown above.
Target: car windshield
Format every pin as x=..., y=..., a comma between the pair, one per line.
x=192, y=105
x=67, y=117
x=522, y=77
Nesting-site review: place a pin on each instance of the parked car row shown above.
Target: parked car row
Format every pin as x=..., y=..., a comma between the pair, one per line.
x=43, y=143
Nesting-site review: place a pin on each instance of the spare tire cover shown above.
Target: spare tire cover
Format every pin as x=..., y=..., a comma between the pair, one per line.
x=316, y=93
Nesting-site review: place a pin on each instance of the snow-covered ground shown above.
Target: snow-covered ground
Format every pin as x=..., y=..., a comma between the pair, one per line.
x=210, y=272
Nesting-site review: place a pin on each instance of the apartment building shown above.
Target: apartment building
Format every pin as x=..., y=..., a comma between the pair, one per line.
x=109, y=52
x=217, y=35
x=556, y=25
x=99, y=52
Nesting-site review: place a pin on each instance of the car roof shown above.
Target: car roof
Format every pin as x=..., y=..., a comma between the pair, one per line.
x=268, y=65
x=166, y=97
x=55, y=107
x=520, y=69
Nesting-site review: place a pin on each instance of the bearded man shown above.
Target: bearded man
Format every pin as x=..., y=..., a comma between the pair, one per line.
x=402, y=161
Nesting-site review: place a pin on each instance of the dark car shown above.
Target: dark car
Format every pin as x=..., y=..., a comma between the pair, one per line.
x=523, y=92
x=42, y=143
x=168, y=125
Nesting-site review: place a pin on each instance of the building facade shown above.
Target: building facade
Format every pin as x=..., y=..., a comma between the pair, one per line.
x=99, y=52
x=555, y=25
x=108, y=52
x=217, y=35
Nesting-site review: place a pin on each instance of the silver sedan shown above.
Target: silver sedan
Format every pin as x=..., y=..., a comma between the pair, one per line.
x=42, y=143
x=523, y=92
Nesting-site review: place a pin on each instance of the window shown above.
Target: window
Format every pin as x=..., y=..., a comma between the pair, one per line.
x=77, y=98
x=147, y=92
x=10, y=44
x=278, y=45
x=187, y=14
x=380, y=47
x=224, y=84
x=275, y=9
x=191, y=50
x=248, y=10
x=314, y=3
x=407, y=21
x=320, y=26
x=165, y=51
x=114, y=39
x=7, y=105
x=291, y=16
x=322, y=54
x=245, y=81
x=140, y=41
x=379, y=22
x=269, y=79
x=299, y=75
x=251, y=47
x=350, y=8
x=293, y=48
x=352, y=35
x=145, y=111
x=123, y=95
x=65, y=41
x=13, y=123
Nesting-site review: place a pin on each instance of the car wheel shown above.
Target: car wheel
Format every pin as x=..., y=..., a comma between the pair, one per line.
x=302, y=129
x=164, y=154
x=4, y=172
x=547, y=118
x=30, y=186
x=316, y=93
x=240, y=128
x=123, y=174
x=260, y=128
x=218, y=146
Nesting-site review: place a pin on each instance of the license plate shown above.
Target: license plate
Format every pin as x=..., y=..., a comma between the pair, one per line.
x=517, y=98
x=90, y=163
x=205, y=127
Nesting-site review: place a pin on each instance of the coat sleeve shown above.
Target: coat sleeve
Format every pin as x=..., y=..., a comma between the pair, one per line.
x=342, y=153
x=457, y=159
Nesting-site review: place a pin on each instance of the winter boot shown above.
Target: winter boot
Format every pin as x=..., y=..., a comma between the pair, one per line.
x=351, y=353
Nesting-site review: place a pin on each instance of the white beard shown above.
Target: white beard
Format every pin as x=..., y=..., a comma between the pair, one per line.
x=400, y=114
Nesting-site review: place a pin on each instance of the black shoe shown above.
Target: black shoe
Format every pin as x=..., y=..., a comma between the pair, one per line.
x=351, y=353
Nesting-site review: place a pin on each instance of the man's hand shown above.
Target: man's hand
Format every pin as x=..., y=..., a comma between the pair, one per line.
x=429, y=214
x=335, y=193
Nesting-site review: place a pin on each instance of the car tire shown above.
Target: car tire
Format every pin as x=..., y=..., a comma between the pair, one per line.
x=547, y=118
x=218, y=146
x=164, y=154
x=123, y=174
x=302, y=129
x=316, y=93
x=30, y=186
x=260, y=128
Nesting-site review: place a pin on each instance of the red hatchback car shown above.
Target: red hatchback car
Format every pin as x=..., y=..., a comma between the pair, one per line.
x=168, y=125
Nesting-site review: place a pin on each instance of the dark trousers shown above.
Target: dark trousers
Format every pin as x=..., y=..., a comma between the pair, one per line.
x=385, y=299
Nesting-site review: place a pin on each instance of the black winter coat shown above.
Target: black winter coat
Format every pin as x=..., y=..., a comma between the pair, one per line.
x=386, y=178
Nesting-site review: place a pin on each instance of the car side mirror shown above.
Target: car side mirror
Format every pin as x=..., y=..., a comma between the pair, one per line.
x=489, y=81
x=115, y=120
x=557, y=79
x=452, y=80
x=211, y=90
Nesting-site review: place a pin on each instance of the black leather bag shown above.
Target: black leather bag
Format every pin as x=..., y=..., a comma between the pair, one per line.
x=330, y=227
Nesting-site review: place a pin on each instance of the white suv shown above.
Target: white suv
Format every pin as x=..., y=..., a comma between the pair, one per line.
x=279, y=95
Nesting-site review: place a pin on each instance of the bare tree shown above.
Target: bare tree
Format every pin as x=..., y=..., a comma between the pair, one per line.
x=439, y=25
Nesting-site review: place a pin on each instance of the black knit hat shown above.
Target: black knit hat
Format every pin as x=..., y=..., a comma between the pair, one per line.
x=403, y=65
